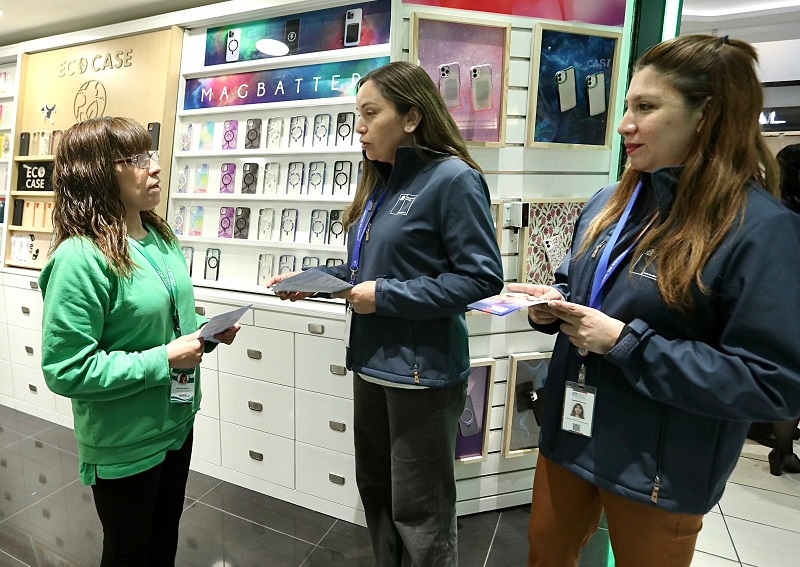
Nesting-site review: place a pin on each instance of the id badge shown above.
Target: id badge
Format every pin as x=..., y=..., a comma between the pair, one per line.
x=348, y=318
x=578, y=413
x=182, y=386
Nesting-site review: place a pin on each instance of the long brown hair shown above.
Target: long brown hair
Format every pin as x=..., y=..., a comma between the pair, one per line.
x=727, y=153
x=87, y=194
x=406, y=85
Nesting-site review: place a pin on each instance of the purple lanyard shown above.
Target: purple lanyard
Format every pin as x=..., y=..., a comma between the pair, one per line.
x=604, y=270
x=361, y=231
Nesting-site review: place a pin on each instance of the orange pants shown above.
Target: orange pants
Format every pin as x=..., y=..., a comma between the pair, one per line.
x=566, y=512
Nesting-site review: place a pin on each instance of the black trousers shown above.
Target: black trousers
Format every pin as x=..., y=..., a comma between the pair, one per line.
x=140, y=513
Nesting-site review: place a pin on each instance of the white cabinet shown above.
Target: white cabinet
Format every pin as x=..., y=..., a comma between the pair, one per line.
x=207, y=444
x=327, y=474
x=209, y=384
x=24, y=306
x=320, y=366
x=324, y=421
x=5, y=353
x=30, y=388
x=255, y=453
x=25, y=347
x=6, y=379
x=263, y=354
x=258, y=405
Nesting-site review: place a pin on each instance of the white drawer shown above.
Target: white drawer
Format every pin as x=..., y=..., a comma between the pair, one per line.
x=211, y=359
x=6, y=381
x=24, y=307
x=210, y=309
x=25, y=346
x=20, y=281
x=63, y=405
x=4, y=352
x=262, y=354
x=301, y=323
x=324, y=421
x=29, y=387
x=327, y=474
x=206, y=445
x=2, y=305
x=256, y=404
x=319, y=366
x=258, y=454
x=209, y=383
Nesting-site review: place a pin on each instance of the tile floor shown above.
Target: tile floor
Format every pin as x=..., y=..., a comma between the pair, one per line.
x=47, y=518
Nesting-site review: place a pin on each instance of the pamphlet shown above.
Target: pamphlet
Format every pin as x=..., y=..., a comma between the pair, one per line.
x=312, y=281
x=505, y=303
x=222, y=322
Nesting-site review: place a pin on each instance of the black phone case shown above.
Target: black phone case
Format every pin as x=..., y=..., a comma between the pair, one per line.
x=252, y=139
x=24, y=143
x=241, y=225
x=154, y=129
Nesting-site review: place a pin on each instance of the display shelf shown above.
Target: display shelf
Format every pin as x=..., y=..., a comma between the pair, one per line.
x=6, y=98
x=31, y=193
x=18, y=228
x=269, y=106
x=212, y=241
x=4, y=129
x=33, y=158
x=264, y=152
x=256, y=197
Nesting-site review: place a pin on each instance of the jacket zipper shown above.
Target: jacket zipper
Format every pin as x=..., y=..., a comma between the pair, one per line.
x=660, y=448
x=414, y=343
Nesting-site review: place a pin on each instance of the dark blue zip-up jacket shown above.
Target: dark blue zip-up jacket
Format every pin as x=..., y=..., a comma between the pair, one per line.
x=431, y=250
x=675, y=396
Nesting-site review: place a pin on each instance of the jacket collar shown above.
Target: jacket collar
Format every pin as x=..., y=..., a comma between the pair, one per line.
x=663, y=184
x=408, y=162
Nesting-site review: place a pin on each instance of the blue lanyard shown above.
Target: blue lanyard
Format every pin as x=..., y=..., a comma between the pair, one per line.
x=167, y=279
x=604, y=270
x=361, y=231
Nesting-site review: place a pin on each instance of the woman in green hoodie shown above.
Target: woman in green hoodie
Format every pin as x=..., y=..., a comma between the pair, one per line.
x=119, y=329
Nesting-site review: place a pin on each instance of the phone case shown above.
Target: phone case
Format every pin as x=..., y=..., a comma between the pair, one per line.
x=336, y=234
x=48, y=214
x=196, y=215
x=249, y=178
x=38, y=214
x=252, y=139
x=266, y=263
x=341, y=177
x=481, y=86
x=272, y=173
x=188, y=255
x=266, y=218
x=322, y=129
x=294, y=179
x=186, y=137
x=44, y=142
x=331, y=262
x=450, y=84
x=468, y=422
x=317, y=231
x=567, y=93
x=201, y=178
x=27, y=214
x=179, y=222
x=241, y=227
x=183, y=179
x=291, y=35
x=36, y=146
x=232, y=45
x=24, y=143
x=352, y=27
x=286, y=264
x=316, y=178
x=596, y=90
x=225, y=222
x=213, y=258
x=230, y=131
x=206, y=142
x=153, y=128
x=227, y=175
x=274, y=132
x=297, y=131
x=57, y=134
x=19, y=208
x=309, y=262
x=345, y=123
x=288, y=225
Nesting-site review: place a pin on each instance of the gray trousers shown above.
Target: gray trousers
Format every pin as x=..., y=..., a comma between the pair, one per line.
x=405, y=448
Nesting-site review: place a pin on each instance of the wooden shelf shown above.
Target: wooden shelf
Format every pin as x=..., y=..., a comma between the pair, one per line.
x=17, y=228
x=33, y=158
x=31, y=193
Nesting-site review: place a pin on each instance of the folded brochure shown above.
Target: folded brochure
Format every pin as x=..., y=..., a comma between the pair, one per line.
x=505, y=303
x=312, y=281
x=222, y=322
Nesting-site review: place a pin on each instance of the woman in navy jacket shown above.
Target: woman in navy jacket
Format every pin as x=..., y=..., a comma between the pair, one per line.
x=676, y=316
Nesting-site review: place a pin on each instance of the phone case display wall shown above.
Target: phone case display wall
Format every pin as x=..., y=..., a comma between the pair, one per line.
x=524, y=402
x=468, y=59
x=268, y=159
x=473, y=426
x=7, y=110
x=571, y=92
x=547, y=237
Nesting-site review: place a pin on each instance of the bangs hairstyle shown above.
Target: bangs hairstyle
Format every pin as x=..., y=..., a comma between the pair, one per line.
x=87, y=194
x=406, y=85
x=727, y=153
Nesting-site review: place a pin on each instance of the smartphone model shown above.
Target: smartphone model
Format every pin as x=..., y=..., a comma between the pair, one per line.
x=297, y=131
x=317, y=231
x=241, y=223
x=24, y=143
x=331, y=262
x=294, y=179
x=272, y=173
x=316, y=177
x=567, y=93
x=336, y=234
x=468, y=422
x=274, y=132
x=186, y=137
x=183, y=179
x=266, y=263
x=213, y=257
x=252, y=139
x=596, y=89
x=188, y=255
x=309, y=262
x=345, y=122
x=19, y=208
x=352, y=27
x=153, y=128
x=227, y=175
x=286, y=264
x=249, y=177
x=178, y=222
x=450, y=84
x=196, y=215
x=481, y=86
x=230, y=131
x=206, y=136
x=201, y=178
x=232, y=45
x=226, y=215
x=57, y=134
x=291, y=35
x=266, y=218
x=288, y=225
x=341, y=177
x=321, y=129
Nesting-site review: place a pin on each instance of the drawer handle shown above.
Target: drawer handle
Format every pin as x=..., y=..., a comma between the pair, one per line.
x=200, y=310
x=254, y=354
x=336, y=479
x=34, y=285
x=25, y=310
x=316, y=328
x=29, y=350
x=33, y=388
x=255, y=406
x=337, y=425
x=256, y=456
x=338, y=369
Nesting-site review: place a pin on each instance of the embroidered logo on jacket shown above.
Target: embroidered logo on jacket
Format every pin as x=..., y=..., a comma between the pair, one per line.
x=403, y=204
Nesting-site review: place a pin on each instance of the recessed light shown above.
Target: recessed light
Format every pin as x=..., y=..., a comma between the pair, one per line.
x=272, y=47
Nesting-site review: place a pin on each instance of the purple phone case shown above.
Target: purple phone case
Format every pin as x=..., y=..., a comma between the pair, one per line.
x=229, y=134
x=227, y=175
x=226, y=222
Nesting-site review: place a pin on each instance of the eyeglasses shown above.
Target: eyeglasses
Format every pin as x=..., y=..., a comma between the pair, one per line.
x=140, y=160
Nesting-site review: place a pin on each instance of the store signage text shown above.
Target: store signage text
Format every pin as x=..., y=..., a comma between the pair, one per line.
x=780, y=119
x=98, y=62
x=335, y=85
x=35, y=177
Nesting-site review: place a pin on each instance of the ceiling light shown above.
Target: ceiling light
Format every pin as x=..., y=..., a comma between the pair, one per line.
x=272, y=47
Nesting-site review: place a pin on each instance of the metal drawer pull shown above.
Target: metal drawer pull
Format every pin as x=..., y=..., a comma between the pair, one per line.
x=338, y=369
x=33, y=388
x=337, y=425
x=254, y=354
x=256, y=456
x=200, y=310
x=29, y=350
x=336, y=479
x=316, y=328
x=34, y=285
x=255, y=406
x=25, y=310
